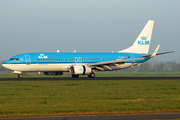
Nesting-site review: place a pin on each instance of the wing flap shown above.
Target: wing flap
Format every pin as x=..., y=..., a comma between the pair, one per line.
x=111, y=63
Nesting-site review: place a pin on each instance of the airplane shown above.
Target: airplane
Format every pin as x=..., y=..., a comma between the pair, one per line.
x=56, y=63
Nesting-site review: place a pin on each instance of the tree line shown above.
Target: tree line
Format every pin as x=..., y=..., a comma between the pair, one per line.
x=155, y=66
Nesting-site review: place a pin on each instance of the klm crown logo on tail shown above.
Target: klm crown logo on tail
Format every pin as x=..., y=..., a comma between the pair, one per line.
x=143, y=38
x=143, y=41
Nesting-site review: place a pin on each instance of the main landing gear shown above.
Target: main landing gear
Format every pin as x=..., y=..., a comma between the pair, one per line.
x=92, y=75
x=75, y=76
x=19, y=75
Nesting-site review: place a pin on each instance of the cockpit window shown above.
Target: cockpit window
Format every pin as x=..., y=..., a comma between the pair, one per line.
x=14, y=59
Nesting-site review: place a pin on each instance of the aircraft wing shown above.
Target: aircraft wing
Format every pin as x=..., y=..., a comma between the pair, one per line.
x=155, y=53
x=149, y=56
x=165, y=52
x=108, y=64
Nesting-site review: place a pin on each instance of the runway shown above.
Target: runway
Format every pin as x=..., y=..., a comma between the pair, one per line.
x=86, y=78
x=106, y=117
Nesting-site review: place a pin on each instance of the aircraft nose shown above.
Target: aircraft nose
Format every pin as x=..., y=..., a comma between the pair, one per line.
x=6, y=66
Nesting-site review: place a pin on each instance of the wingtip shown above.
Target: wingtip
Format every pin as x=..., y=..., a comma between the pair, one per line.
x=150, y=20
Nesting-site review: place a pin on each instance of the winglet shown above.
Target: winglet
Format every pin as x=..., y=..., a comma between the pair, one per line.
x=155, y=52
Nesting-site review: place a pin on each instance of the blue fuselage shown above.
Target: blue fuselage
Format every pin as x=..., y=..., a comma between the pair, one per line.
x=48, y=57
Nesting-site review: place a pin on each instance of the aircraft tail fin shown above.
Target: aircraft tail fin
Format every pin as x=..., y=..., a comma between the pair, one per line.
x=142, y=43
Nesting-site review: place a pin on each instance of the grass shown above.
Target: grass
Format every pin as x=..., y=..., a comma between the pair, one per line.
x=51, y=98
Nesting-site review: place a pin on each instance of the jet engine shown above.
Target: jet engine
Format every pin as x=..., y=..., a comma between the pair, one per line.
x=80, y=70
x=53, y=73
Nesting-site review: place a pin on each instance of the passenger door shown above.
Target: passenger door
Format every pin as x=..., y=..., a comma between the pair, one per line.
x=28, y=59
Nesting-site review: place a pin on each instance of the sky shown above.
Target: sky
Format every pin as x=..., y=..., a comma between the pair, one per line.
x=87, y=26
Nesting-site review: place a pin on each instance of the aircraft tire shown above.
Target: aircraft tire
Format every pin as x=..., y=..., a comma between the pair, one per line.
x=20, y=76
x=75, y=76
x=92, y=75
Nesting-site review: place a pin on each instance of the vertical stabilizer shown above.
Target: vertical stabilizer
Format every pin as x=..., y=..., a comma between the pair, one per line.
x=142, y=43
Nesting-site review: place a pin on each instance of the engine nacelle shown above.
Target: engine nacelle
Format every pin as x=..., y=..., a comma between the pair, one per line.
x=53, y=73
x=80, y=70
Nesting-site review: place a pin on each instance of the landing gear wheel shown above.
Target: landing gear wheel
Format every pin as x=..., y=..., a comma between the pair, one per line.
x=92, y=75
x=19, y=76
x=75, y=76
